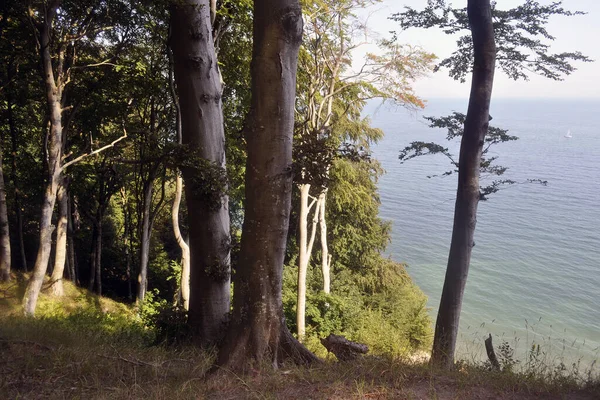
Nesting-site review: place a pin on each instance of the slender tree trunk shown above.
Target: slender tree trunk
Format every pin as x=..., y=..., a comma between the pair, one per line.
x=185, y=249
x=74, y=276
x=15, y=182
x=258, y=331
x=60, y=254
x=184, y=284
x=98, y=255
x=4, y=234
x=92, y=272
x=305, y=254
x=54, y=155
x=302, y=261
x=467, y=195
x=199, y=89
x=145, y=241
x=325, y=257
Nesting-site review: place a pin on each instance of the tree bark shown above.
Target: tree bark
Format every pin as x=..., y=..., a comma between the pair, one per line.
x=60, y=254
x=199, y=89
x=54, y=93
x=184, y=284
x=304, y=254
x=73, y=274
x=4, y=233
x=145, y=241
x=467, y=195
x=325, y=257
x=258, y=332
x=185, y=249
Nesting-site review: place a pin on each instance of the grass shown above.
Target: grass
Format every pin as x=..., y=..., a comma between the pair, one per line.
x=87, y=347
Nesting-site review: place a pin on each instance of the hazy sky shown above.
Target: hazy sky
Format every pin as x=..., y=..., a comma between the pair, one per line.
x=576, y=33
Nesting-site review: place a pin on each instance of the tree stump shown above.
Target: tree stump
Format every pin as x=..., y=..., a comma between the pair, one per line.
x=344, y=349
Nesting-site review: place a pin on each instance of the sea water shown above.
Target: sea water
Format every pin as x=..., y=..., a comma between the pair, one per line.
x=535, y=269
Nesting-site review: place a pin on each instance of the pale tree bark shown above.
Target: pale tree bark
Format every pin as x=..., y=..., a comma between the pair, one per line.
x=4, y=233
x=127, y=232
x=54, y=91
x=257, y=331
x=467, y=195
x=185, y=249
x=325, y=256
x=199, y=90
x=305, y=250
x=184, y=284
x=60, y=254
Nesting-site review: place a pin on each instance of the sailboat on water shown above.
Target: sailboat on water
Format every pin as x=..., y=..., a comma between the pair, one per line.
x=568, y=135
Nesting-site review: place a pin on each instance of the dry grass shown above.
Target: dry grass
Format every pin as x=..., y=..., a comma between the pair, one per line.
x=49, y=358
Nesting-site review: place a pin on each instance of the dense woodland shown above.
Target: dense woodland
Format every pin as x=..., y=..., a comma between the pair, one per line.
x=209, y=163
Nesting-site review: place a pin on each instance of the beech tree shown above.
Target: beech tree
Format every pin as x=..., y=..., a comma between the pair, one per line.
x=329, y=90
x=59, y=35
x=507, y=38
x=257, y=330
x=199, y=90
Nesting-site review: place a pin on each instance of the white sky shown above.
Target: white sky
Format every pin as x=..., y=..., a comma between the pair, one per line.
x=576, y=33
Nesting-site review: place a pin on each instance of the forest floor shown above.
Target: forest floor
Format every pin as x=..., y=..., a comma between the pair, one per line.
x=81, y=347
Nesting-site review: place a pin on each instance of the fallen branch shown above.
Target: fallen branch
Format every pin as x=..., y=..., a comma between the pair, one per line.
x=344, y=349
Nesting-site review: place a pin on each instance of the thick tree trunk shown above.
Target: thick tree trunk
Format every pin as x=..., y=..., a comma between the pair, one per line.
x=54, y=155
x=60, y=254
x=4, y=234
x=257, y=332
x=467, y=195
x=325, y=257
x=145, y=242
x=199, y=89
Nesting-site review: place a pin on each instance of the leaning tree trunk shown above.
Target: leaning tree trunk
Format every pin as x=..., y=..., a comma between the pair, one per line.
x=467, y=195
x=60, y=254
x=258, y=331
x=199, y=89
x=4, y=234
x=54, y=155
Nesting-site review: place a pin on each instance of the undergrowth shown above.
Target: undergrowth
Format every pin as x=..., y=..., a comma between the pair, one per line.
x=88, y=347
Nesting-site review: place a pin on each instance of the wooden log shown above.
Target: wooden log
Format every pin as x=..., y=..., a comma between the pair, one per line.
x=489, y=348
x=344, y=349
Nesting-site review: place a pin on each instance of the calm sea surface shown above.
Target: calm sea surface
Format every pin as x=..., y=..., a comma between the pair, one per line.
x=535, y=271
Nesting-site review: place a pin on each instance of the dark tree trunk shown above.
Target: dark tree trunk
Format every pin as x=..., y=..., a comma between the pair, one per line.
x=467, y=195
x=54, y=93
x=145, y=240
x=199, y=90
x=258, y=332
x=72, y=259
x=98, y=255
x=5, y=258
